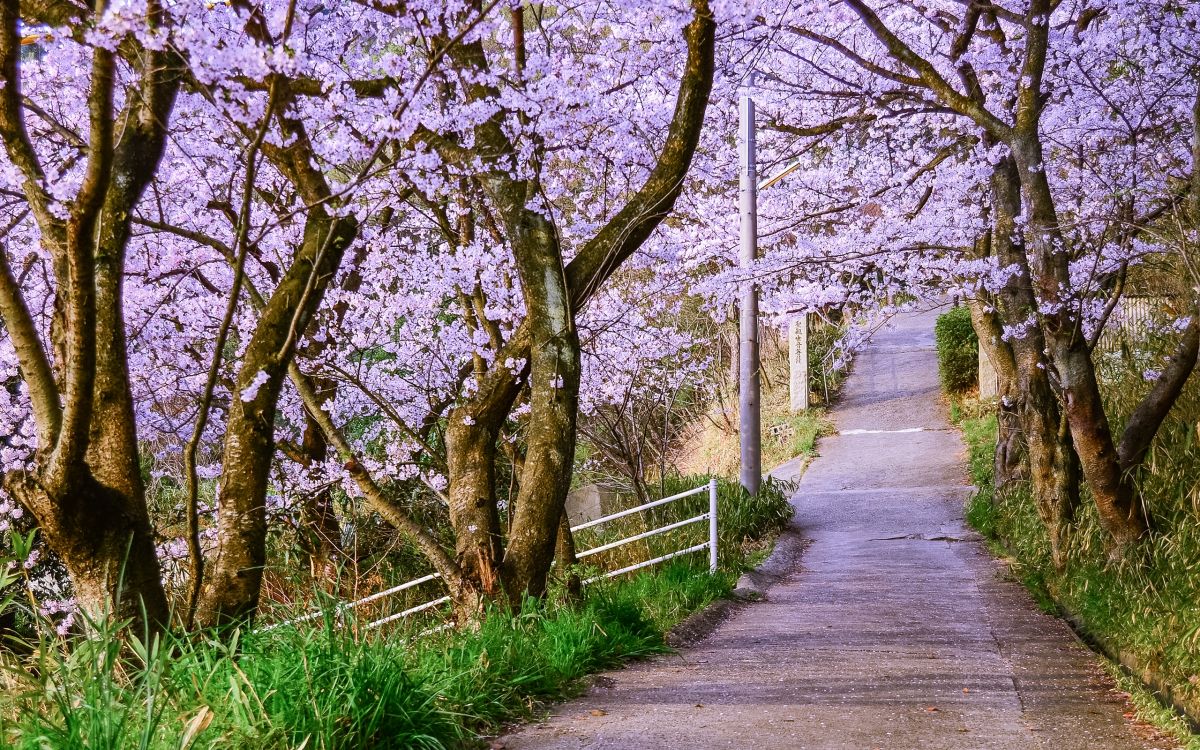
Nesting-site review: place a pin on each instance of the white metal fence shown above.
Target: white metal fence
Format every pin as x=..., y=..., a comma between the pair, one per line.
x=711, y=545
x=1131, y=321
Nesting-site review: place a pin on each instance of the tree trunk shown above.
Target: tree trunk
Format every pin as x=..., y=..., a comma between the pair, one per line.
x=233, y=577
x=1112, y=489
x=564, y=556
x=471, y=460
x=551, y=430
x=319, y=529
x=547, y=339
x=1052, y=465
x=105, y=541
x=1009, y=462
x=86, y=492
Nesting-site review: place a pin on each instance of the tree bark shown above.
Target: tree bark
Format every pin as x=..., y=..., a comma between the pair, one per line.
x=319, y=529
x=547, y=340
x=233, y=578
x=564, y=556
x=554, y=375
x=1009, y=461
x=1052, y=464
x=471, y=458
x=86, y=490
x=1116, y=500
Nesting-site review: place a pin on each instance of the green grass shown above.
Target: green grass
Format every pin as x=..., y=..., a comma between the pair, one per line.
x=330, y=687
x=327, y=688
x=794, y=434
x=1150, y=710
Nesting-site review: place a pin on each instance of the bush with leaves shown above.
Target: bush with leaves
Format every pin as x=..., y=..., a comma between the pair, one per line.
x=957, y=350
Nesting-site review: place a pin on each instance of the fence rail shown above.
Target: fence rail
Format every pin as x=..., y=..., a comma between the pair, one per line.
x=710, y=545
x=1131, y=321
x=710, y=516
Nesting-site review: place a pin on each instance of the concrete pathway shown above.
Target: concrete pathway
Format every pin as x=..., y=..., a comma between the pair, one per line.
x=896, y=630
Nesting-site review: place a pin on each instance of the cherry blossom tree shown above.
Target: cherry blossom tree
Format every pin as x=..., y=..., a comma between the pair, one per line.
x=1060, y=120
x=522, y=138
x=279, y=252
x=77, y=470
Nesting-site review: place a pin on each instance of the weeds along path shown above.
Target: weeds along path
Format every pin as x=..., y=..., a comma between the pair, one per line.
x=896, y=630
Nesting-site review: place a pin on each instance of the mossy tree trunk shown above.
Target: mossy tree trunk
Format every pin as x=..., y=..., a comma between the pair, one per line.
x=233, y=574
x=233, y=577
x=85, y=489
x=546, y=342
x=1052, y=464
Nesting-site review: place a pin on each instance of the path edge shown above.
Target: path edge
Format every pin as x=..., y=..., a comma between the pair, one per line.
x=752, y=586
x=1163, y=689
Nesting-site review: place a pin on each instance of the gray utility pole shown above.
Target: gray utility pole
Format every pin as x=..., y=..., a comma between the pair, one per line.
x=749, y=385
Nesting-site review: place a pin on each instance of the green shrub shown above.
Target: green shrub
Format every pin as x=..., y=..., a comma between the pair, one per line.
x=957, y=350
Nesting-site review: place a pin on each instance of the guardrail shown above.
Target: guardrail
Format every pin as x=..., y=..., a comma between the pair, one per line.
x=341, y=609
x=710, y=545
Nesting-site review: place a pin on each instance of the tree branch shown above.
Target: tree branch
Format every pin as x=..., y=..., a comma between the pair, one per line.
x=928, y=74
x=1143, y=424
x=31, y=355
x=625, y=232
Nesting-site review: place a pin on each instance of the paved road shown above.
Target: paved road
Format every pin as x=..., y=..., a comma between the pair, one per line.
x=896, y=630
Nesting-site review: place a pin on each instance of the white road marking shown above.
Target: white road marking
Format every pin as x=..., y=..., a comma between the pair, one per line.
x=881, y=432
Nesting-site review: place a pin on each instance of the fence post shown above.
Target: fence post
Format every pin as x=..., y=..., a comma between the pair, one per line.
x=712, y=525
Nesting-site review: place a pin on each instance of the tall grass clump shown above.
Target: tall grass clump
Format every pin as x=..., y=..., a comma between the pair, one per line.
x=826, y=374
x=980, y=433
x=334, y=684
x=957, y=350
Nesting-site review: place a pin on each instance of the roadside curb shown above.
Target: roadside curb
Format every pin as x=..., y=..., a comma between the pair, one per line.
x=753, y=585
x=1164, y=690
x=785, y=556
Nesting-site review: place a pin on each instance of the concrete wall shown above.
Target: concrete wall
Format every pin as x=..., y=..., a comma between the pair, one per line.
x=989, y=381
x=590, y=502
